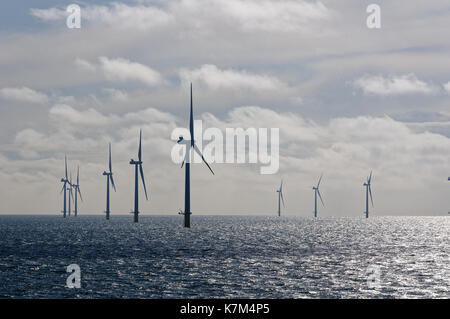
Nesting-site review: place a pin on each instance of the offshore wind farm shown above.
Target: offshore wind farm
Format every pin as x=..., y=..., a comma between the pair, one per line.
x=224, y=149
x=214, y=245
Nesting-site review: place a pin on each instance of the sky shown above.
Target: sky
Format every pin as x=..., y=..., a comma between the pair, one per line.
x=347, y=100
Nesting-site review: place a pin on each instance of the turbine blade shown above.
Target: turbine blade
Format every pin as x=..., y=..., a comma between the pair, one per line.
x=65, y=163
x=200, y=153
x=370, y=193
x=282, y=199
x=79, y=192
x=281, y=186
x=64, y=185
x=370, y=177
x=320, y=179
x=78, y=175
x=191, y=121
x=318, y=193
x=182, y=164
x=112, y=182
x=110, y=163
x=143, y=181
x=140, y=146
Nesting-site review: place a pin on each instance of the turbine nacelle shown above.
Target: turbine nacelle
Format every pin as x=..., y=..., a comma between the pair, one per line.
x=133, y=162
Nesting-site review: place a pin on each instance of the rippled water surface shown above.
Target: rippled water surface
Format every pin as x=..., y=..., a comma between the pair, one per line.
x=264, y=257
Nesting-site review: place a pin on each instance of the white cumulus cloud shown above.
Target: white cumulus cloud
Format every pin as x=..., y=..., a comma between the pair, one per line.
x=393, y=85
x=23, y=94
x=122, y=70
x=211, y=76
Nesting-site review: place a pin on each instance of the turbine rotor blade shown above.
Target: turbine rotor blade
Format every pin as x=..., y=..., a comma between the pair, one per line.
x=370, y=177
x=64, y=185
x=318, y=193
x=140, y=146
x=110, y=163
x=370, y=192
x=112, y=182
x=143, y=181
x=282, y=199
x=79, y=192
x=65, y=163
x=191, y=121
x=320, y=179
x=200, y=153
x=78, y=175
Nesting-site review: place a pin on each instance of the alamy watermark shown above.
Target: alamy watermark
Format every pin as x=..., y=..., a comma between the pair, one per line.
x=73, y=21
x=374, y=19
x=237, y=145
x=74, y=279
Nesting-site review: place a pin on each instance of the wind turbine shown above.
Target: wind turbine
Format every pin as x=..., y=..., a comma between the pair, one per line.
x=64, y=180
x=368, y=192
x=138, y=166
x=76, y=187
x=109, y=177
x=187, y=191
x=280, y=196
x=317, y=192
x=70, y=191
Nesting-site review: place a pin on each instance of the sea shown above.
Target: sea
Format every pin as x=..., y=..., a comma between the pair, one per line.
x=224, y=257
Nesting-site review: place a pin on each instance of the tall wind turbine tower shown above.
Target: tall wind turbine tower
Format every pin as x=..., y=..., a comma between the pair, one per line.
x=138, y=169
x=65, y=180
x=76, y=188
x=280, y=196
x=317, y=192
x=368, y=192
x=109, y=178
x=70, y=191
x=189, y=145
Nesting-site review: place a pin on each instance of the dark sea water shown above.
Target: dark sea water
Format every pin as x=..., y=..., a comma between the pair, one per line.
x=225, y=256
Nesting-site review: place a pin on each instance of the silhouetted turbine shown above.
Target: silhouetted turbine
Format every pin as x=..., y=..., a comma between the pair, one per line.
x=65, y=180
x=76, y=187
x=70, y=191
x=109, y=177
x=138, y=169
x=368, y=192
x=187, y=191
x=280, y=196
x=317, y=192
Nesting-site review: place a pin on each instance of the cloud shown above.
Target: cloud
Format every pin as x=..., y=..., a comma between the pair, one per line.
x=125, y=70
x=50, y=14
x=23, y=94
x=265, y=15
x=115, y=94
x=447, y=87
x=122, y=70
x=261, y=15
x=394, y=85
x=214, y=78
x=66, y=114
x=116, y=15
x=85, y=65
